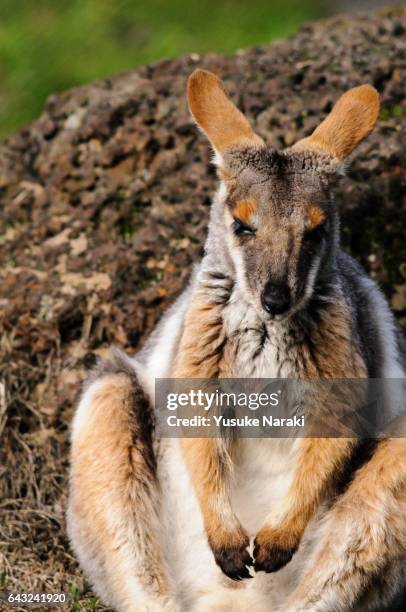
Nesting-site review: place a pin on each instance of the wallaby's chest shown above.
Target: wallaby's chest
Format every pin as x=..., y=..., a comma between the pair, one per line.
x=263, y=471
x=253, y=349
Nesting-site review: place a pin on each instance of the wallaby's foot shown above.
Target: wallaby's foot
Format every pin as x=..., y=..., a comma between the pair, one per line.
x=273, y=549
x=232, y=556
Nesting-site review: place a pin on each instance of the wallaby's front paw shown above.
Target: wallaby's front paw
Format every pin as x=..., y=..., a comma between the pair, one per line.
x=232, y=556
x=273, y=550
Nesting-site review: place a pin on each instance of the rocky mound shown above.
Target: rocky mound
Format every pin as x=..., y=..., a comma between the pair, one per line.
x=104, y=208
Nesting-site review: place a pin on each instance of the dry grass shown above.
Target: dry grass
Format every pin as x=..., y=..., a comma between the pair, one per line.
x=34, y=551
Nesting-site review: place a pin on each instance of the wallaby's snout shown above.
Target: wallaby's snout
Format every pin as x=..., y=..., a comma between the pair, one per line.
x=275, y=298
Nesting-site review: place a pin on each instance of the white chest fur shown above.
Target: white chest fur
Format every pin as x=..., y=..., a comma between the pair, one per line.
x=263, y=472
x=255, y=346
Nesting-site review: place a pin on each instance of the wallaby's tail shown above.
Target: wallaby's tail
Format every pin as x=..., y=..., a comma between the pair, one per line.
x=113, y=520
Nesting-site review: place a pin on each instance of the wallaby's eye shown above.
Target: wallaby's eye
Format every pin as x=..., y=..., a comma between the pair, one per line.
x=241, y=229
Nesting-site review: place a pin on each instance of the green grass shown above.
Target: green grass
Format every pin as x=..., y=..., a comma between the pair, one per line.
x=47, y=46
x=79, y=603
x=391, y=112
x=3, y=579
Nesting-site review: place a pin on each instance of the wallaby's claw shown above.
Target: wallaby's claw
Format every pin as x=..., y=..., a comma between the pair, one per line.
x=234, y=561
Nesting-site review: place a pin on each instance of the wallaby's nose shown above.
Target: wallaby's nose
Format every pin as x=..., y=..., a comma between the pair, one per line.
x=275, y=298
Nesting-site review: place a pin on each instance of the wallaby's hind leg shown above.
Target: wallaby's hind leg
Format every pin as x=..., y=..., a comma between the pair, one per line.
x=359, y=562
x=114, y=495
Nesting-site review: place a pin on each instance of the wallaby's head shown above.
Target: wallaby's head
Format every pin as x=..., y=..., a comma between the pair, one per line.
x=276, y=211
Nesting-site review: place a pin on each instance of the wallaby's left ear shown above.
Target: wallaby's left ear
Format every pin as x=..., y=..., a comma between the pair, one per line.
x=353, y=117
x=224, y=125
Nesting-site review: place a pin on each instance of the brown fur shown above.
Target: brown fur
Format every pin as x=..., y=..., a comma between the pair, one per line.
x=200, y=355
x=209, y=465
x=320, y=459
x=111, y=470
x=351, y=120
x=201, y=343
x=224, y=125
x=338, y=355
x=365, y=526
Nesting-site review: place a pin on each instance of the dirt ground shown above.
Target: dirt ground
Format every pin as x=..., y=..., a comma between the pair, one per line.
x=105, y=203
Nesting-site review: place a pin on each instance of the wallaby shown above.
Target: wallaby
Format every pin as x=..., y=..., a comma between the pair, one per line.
x=166, y=524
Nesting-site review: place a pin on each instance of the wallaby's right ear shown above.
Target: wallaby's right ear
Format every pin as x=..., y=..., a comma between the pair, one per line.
x=224, y=125
x=352, y=118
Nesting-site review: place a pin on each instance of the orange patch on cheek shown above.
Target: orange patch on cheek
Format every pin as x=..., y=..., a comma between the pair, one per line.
x=243, y=209
x=315, y=215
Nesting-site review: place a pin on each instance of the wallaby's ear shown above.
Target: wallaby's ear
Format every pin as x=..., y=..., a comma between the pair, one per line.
x=224, y=125
x=353, y=117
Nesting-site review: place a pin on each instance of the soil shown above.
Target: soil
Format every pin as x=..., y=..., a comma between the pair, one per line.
x=105, y=201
